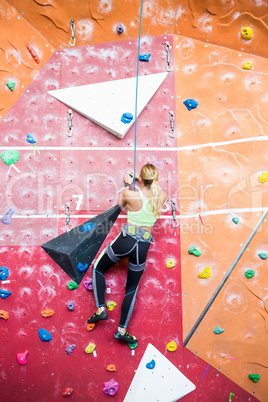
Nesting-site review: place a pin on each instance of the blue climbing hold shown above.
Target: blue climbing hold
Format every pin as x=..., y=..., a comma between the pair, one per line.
x=190, y=104
x=4, y=293
x=4, y=272
x=30, y=139
x=87, y=227
x=6, y=218
x=150, y=365
x=44, y=335
x=127, y=118
x=144, y=57
x=81, y=267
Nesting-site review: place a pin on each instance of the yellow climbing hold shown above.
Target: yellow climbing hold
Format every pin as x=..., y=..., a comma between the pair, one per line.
x=263, y=177
x=170, y=263
x=205, y=273
x=246, y=33
x=90, y=348
x=111, y=305
x=171, y=346
x=247, y=65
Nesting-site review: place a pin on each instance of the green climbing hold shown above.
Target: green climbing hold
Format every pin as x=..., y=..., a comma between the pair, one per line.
x=235, y=220
x=249, y=273
x=193, y=250
x=10, y=156
x=254, y=377
x=133, y=345
x=10, y=85
x=263, y=256
x=72, y=285
x=218, y=330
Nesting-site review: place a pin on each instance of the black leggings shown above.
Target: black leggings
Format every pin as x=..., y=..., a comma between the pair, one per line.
x=122, y=246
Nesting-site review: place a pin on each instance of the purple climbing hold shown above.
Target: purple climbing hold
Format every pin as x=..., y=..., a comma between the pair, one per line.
x=70, y=305
x=127, y=118
x=119, y=29
x=110, y=387
x=6, y=218
x=190, y=104
x=88, y=284
x=4, y=272
x=144, y=57
x=70, y=349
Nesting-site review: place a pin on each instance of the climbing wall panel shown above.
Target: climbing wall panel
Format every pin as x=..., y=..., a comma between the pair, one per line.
x=222, y=152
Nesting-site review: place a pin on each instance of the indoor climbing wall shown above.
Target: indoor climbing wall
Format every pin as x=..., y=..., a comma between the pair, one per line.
x=210, y=152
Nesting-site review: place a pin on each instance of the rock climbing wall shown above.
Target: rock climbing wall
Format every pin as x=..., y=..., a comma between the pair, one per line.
x=210, y=168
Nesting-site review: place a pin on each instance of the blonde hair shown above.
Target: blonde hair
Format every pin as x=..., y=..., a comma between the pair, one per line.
x=149, y=175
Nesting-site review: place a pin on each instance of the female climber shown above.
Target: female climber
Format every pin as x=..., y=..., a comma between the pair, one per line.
x=144, y=207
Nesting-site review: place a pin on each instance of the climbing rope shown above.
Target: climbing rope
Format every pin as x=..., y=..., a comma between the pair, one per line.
x=136, y=100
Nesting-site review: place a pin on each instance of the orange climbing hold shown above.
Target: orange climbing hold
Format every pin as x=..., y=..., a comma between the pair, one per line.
x=47, y=313
x=4, y=314
x=33, y=53
x=67, y=392
x=90, y=326
x=111, y=367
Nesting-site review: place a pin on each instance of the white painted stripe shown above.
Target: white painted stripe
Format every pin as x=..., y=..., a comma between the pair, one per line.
x=3, y=282
x=162, y=149
x=190, y=216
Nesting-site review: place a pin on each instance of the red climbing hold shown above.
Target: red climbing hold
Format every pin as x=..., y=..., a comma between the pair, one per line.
x=67, y=392
x=33, y=53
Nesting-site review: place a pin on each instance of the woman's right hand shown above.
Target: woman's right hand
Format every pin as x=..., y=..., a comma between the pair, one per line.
x=128, y=177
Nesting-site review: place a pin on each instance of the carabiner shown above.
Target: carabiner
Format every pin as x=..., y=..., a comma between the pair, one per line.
x=174, y=218
x=72, y=40
x=69, y=132
x=168, y=47
x=171, y=119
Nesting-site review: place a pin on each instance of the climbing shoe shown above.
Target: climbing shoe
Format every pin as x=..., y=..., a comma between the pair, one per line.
x=125, y=337
x=97, y=317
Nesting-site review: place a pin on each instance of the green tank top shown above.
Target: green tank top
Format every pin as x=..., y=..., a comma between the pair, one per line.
x=144, y=216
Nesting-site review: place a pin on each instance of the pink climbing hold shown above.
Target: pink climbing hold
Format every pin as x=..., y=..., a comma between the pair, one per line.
x=22, y=358
x=88, y=284
x=110, y=387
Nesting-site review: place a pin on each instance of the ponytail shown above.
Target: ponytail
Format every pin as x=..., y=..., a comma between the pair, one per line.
x=150, y=174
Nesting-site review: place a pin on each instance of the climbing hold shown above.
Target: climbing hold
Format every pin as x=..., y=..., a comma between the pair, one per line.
x=30, y=139
x=10, y=156
x=193, y=250
x=170, y=263
x=151, y=365
x=4, y=272
x=44, y=335
x=263, y=256
x=254, y=377
x=249, y=273
x=144, y=57
x=47, y=313
x=72, y=285
x=22, y=358
x=70, y=305
x=263, y=177
x=119, y=29
x=127, y=118
x=33, y=53
x=246, y=33
x=111, y=367
x=4, y=314
x=90, y=348
x=81, y=267
x=205, y=273
x=235, y=220
x=90, y=326
x=110, y=387
x=171, y=346
x=132, y=345
x=87, y=227
x=111, y=305
x=218, y=330
x=247, y=65
x=88, y=284
x=67, y=392
x=6, y=218
x=70, y=349
x=4, y=293
x=10, y=85
x=190, y=104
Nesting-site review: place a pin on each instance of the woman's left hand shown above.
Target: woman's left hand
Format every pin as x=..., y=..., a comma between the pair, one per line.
x=128, y=177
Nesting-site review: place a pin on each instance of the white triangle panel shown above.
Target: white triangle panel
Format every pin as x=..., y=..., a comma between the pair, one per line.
x=104, y=103
x=163, y=383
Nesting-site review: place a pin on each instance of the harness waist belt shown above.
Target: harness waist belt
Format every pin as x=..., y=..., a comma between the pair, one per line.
x=137, y=232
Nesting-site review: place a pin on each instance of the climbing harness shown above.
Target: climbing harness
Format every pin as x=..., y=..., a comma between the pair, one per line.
x=174, y=218
x=171, y=119
x=68, y=226
x=72, y=40
x=169, y=68
x=69, y=132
